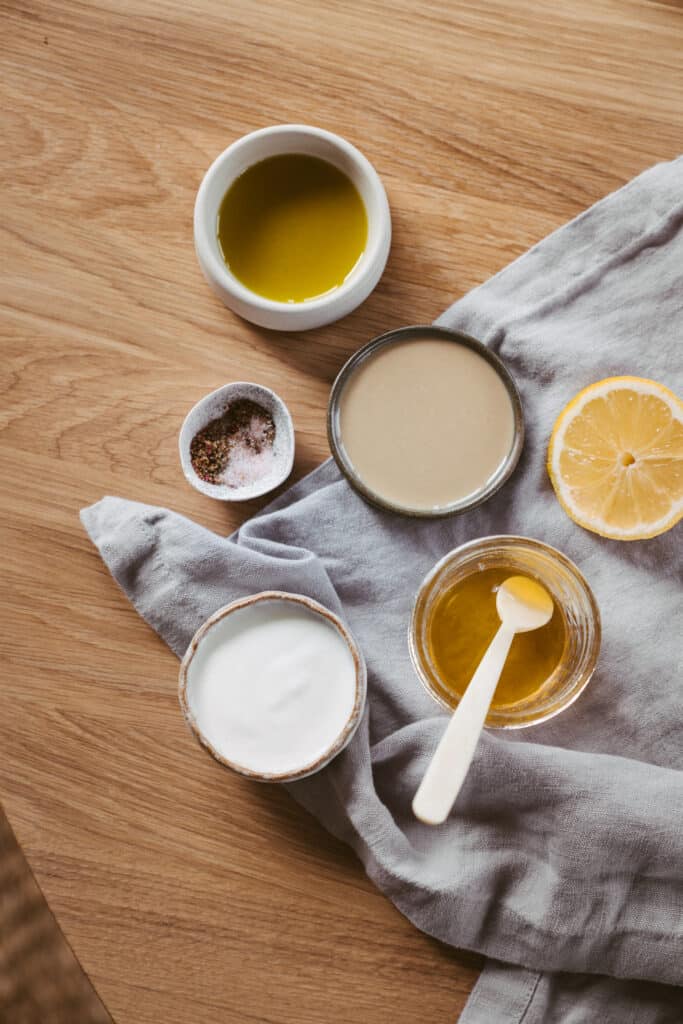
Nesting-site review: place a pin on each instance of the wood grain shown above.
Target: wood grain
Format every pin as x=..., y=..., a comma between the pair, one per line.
x=187, y=893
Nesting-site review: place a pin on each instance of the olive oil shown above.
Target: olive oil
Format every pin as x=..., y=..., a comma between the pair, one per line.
x=463, y=623
x=292, y=227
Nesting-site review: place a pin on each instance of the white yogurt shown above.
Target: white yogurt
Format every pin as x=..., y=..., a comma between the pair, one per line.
x=271, y=686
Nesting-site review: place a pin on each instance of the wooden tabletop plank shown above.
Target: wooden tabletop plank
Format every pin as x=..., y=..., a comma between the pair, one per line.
x=186, y=892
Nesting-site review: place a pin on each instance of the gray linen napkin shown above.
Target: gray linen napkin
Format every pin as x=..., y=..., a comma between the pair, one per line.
x=562, y=861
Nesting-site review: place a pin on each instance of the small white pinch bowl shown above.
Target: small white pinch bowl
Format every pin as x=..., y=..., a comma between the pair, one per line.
x=242, y=607
x=212, y=406
x=250, y=150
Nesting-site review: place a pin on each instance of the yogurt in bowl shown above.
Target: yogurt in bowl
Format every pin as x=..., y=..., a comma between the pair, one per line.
x=273, y=686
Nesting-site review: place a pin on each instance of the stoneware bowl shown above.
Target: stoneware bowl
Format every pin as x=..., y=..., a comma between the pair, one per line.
x=241, y=607
x=214, y=405
x=274, y=141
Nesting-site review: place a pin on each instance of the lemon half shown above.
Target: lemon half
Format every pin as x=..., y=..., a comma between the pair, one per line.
x=615, y=458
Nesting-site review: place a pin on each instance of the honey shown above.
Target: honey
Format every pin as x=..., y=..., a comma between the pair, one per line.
x=461, y=626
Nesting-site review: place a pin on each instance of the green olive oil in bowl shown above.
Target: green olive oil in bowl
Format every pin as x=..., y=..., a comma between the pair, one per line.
x=292, y=227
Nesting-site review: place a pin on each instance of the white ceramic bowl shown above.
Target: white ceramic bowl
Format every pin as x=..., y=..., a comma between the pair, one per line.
x=251, y=149
x=213, y=405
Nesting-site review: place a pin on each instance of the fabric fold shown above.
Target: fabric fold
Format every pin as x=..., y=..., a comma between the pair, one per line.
x=535, y=878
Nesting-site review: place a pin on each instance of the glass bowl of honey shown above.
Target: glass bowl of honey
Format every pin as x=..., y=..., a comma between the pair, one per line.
x=454, y=620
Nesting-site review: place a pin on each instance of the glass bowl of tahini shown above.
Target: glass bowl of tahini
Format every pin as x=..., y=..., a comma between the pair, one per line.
x=425, y=421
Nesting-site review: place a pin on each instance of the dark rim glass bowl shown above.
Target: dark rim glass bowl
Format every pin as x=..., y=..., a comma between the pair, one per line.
x=341, y=456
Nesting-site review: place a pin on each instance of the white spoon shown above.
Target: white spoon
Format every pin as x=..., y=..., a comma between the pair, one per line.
x=522, y=605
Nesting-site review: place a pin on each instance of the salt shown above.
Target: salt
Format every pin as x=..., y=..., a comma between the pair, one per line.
x=247, y=464
x=235, y=449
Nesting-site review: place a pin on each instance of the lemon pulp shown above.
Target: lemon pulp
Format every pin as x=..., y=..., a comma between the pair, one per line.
x=616, y=458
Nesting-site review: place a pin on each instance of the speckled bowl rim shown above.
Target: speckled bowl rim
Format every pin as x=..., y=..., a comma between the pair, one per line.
x=232, y=392
x=502, y=474
x=352, y=723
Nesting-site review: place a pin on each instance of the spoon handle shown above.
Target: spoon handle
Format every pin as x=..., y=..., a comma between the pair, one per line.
x=451, y=760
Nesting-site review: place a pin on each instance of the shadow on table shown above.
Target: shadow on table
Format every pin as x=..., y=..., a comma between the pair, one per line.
x=41, y=981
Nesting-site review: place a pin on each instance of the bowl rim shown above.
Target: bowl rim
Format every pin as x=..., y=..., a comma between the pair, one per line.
x=221, y=492
x=377, y=247
x=399, y=334
x=553, y=553
x=352, y=722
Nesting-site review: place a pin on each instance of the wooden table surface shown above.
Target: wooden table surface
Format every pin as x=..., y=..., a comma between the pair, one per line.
x=187, y=893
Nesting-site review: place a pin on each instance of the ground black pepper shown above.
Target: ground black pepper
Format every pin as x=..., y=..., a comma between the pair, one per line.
x=240, y=438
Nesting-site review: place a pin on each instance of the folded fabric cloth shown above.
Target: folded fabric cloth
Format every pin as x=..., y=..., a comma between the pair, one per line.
x=562, y=860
